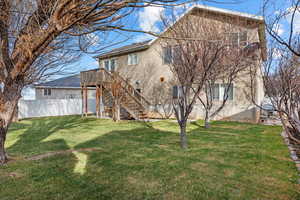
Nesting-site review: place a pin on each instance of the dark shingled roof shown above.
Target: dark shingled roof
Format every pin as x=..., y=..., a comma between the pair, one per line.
x=126, y=49
x=65, y=82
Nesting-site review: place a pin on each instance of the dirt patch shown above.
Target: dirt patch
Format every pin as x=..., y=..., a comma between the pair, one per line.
x=173, y=196
x=200, y=166
x=228, y=172
x=15, y=175
x=138, y=182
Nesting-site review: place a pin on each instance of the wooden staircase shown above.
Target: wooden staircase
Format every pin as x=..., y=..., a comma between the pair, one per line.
x=130, y=99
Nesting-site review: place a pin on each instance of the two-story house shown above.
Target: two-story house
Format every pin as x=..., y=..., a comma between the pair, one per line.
x=142, y=66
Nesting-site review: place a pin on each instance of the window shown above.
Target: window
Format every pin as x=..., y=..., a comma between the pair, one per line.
x=106, y=65
x=176, y=54
x=167, y=55
x=219, y=90
x=234, y=39
x=71, y=96
x=47, y=92
x=178, y=91
x=243, y=39
x=239, y=39
x=132, y=59
x=110, y=65
x=216, y=92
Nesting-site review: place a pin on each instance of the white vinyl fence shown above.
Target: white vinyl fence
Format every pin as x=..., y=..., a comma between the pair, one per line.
x=53, y=107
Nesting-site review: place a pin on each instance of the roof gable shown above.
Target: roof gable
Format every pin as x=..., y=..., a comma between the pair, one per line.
x=146, y=44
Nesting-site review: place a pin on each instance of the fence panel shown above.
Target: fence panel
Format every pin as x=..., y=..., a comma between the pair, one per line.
x=53, y=107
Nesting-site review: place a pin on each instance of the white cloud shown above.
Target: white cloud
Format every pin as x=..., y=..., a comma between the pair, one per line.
x=149, y=17
x=296, y=19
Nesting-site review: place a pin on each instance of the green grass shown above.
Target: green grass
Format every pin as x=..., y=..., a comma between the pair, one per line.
x=135, y=160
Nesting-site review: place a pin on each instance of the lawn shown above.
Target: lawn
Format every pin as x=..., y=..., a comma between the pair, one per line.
x=135, y=160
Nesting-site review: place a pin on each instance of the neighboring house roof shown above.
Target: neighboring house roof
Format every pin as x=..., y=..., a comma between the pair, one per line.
x=126, y=49
x=145, y=45
x=65, y=82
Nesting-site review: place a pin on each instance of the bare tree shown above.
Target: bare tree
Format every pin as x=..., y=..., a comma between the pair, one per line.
x=117, y=94
x=37, y=36
x=283, y=23
x=281, y=71
x=191, y=51
x=233, y=63
x=282, y=87
x=202, y=51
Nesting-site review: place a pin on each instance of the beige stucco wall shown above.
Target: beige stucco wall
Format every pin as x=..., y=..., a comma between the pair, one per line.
x=150, y=69
x=57, y=93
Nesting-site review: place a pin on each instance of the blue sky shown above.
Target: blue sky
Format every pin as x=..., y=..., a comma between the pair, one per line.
x=148, y=19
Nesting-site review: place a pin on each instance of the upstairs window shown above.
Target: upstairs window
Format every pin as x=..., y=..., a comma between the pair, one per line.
x=110, y=65
x=239, y=39
x=167, y=55
x=132, y=59
x=47, y=92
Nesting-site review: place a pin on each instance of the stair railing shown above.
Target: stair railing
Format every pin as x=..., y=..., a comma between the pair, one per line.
x=130, y=90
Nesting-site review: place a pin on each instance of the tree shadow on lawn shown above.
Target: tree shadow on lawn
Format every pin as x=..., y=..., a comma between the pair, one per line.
x=31, y=142
x=141, y=163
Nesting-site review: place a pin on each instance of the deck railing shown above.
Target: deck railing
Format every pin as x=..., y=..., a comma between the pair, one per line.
x=94, y=77
x=100, y=76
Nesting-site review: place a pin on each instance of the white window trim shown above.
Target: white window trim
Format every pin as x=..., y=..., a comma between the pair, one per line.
x=239, y=34
x=221, y=94
x=130, y=60
x=109, y=64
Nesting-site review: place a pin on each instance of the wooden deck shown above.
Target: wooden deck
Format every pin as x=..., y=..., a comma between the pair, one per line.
x=104, y=81
x=94, y=77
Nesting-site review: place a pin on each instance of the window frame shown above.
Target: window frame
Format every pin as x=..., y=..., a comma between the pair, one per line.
x=238, y=42
x=47, y=92
x=132, y=59
x=221, y=89
x=109, y=61
x=169, y=50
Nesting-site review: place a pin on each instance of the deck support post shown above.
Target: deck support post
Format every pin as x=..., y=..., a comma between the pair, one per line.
x=86, y=101
x=97, y=101
x=100, y=101
x=82, y=102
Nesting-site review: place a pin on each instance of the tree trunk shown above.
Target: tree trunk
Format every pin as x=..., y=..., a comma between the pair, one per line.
x=116, y=112
x=3, y=155
x=183, y=138
x=207, y=121
x=8, y=103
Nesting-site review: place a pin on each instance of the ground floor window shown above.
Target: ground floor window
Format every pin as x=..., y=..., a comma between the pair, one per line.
x=47, y=92
x=219, y=90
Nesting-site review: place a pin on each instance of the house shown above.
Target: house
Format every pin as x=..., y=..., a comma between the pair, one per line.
x=142, y=66
x=62, y=88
